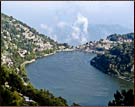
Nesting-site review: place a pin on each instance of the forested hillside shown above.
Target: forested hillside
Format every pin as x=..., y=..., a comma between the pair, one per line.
x=118, y=60
x=20, y=43
x=118, y=37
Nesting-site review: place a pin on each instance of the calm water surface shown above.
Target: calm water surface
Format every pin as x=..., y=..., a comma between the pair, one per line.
x=70, y=75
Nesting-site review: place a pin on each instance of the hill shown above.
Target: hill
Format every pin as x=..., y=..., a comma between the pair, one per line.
x=119, y=59
x=19, y=44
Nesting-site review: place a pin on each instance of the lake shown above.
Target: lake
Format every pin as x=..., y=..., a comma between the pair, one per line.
x=70, y=75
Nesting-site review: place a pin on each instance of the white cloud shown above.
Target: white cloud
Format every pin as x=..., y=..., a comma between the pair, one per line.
x=80, y=29
x=82, y=20
x=75, y=36
x=54, y=37
x=47, y=28
x=62, y=24
x=49, y=31
x=76, y=33
x=83, y=39
x=43, y=26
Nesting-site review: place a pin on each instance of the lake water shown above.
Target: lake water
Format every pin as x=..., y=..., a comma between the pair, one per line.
x=70, y=75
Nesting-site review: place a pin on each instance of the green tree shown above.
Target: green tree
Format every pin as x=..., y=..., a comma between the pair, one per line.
x=125, y=98
x=9, y=98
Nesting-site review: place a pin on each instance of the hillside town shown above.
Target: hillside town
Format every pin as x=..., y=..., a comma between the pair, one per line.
x=20, y=39
x=103, y=44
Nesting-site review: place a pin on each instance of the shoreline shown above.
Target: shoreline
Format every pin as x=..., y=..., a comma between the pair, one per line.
x=33, y=60
x=124, y=78
x=27, y=62
x=116, y=76
x=65, y=50
x=23, y=65
x=45, y=55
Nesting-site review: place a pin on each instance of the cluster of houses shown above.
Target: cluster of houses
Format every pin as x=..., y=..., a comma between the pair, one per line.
x=101, y=45
x=39, y=43
x=6, y=60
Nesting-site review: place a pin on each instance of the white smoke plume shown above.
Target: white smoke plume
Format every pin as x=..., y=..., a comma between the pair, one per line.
x=80, y=29
x=82, y=20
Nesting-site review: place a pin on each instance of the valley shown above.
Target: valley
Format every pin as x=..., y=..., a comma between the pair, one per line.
x=26, y=54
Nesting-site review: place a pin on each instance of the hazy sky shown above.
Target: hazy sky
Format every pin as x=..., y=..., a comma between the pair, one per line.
x=106, y=12
x=43, y=15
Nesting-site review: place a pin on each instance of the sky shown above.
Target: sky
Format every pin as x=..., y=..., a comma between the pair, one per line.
x=46, y=16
